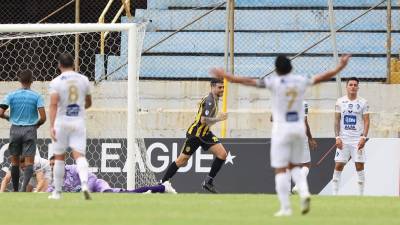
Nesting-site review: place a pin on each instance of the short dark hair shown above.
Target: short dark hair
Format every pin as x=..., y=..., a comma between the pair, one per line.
x=52, y=157
x=66, y=60
x=283, y=65
x=353, y=78
x=25, y=77
x=215, y=81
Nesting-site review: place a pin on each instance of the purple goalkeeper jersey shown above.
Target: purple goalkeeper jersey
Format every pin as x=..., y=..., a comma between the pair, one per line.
x=72, y=183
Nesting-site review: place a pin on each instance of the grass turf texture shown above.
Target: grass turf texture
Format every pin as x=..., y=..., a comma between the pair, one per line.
x=202, y=209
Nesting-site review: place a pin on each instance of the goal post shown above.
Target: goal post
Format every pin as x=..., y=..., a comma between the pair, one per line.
x=131, y=127
x=132, y=63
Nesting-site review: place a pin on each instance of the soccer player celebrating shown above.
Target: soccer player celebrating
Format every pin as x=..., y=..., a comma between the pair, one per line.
x=287, y=139
x=199, y=134
x=69, y=97
x=351, y=130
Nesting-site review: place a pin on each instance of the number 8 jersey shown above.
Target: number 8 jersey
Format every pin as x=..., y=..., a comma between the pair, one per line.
x=351, y=121
x=72, y=89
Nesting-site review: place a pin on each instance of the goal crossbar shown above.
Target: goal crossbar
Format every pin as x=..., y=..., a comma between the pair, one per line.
x=65, y=27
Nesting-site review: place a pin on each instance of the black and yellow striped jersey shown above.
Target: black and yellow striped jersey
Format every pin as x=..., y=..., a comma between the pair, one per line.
x=208, y=107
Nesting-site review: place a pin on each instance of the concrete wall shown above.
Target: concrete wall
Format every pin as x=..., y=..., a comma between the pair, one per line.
x=168, y=108
x=383, y=157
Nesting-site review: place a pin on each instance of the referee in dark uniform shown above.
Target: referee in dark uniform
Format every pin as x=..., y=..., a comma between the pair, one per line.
x=27, y=113
x=199, y=135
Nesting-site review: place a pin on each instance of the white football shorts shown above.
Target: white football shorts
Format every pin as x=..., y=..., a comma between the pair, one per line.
x=70, y=133
x=287, y=144
x=350, y=151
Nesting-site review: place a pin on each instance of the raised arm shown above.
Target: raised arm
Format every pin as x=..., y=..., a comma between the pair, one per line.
x=331, y=73
x=221, y=74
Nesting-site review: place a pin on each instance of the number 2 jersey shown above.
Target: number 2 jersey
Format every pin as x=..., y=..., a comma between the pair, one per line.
x=72, y=89
x=351, y=113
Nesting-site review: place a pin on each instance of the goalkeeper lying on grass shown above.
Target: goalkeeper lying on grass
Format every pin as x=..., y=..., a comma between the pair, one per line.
x=72, y=183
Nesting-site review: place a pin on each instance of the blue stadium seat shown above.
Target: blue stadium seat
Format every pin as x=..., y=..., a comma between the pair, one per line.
x=267, y=20
x=198, y=66
x=190, y=54
x=164, y=4
x=274, y=42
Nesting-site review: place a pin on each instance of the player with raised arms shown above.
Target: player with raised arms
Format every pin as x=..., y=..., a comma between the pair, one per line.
x=288, y=127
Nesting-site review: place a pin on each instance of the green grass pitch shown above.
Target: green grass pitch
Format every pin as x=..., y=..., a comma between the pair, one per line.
x=191, y=209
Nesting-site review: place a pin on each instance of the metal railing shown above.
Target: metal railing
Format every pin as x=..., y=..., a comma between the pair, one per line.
x=210, y=9
x=125, y=5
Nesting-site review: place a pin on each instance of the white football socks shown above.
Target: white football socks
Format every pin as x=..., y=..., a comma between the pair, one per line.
x=361, y=182
x=336, y=181
x=58, y=174
x=305, y=170
x=83, y=170
x=300, y=181
x=282, y=186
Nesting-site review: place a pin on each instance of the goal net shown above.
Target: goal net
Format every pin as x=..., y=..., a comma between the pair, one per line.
x=109, y=55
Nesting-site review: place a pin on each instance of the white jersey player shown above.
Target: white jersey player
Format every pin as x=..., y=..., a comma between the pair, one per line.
x=287, y=139
x=309, y=143
x=69, y=97
x=42, y=176
x=351, y=130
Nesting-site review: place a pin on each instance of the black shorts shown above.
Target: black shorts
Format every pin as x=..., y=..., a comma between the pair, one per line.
x=23, y=140
x=192, y=143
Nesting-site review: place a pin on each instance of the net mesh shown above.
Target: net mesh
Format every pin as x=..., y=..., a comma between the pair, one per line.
x=106, y=120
